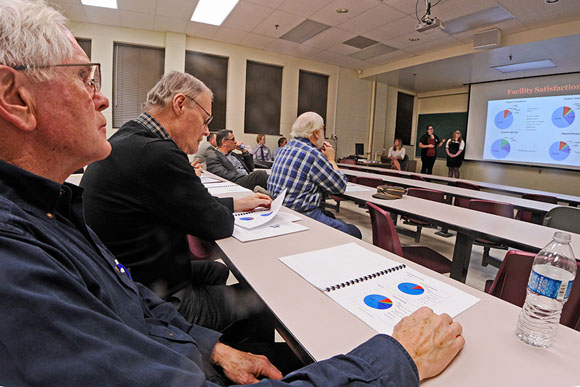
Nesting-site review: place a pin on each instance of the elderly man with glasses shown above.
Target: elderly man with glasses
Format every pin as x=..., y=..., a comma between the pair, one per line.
x=71, y=315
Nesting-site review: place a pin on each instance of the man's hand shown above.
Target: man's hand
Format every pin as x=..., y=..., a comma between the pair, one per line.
x=431, y=340
x=328, y=150
x=243, y=367
x=249, y=203
x=198, y=167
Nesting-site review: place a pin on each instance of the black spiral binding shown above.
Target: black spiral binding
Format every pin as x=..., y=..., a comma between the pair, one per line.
x=251, y=212
x=364, y=278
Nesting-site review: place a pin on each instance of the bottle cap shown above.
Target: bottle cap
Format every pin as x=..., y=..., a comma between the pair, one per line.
x=562, y=237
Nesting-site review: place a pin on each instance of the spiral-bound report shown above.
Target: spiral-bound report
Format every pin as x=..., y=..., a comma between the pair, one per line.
x=376, y=289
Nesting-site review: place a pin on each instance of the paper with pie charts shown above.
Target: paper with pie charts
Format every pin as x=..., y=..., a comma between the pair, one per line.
x=259, y=217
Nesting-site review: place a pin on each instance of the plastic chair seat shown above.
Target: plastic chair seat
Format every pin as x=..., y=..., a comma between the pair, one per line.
x=427, y=257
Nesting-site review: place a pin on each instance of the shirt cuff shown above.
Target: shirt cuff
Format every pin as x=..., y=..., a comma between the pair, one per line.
x=205, y=338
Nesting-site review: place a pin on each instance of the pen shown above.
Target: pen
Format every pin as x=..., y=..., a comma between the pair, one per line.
x=122, y=269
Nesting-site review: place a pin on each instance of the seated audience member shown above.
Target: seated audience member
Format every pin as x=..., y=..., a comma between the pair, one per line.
x=233, y=166
x=306, y=169
x=261, y=152
x=205, y=148
x=145, y=198
x=397, y=154
x=281, y=142
x=71, y=315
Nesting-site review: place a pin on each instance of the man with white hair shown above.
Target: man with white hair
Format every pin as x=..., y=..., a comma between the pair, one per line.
x=306, y=169
x=71, y=315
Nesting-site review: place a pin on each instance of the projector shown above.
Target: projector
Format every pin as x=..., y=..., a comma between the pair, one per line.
x=428, y=24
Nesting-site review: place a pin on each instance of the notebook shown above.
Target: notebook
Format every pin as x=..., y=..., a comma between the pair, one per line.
x=376, y=289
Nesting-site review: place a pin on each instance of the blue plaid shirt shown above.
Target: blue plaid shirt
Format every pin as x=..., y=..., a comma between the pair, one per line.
x=305, y=173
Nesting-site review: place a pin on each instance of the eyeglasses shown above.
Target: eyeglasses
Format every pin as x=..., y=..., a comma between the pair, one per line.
x=209, y=116
x=90, y=73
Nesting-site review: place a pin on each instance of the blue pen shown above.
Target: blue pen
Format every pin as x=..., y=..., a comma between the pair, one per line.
x=122, y=269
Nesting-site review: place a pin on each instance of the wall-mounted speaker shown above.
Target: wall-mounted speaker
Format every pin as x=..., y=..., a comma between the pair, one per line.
x=487, y=39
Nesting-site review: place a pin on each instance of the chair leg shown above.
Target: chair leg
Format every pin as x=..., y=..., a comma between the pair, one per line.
x=484, y=259
x=418, y=234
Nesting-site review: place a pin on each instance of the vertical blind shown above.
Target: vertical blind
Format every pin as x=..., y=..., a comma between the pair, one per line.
x=85, y=45
x=312, y=93
x=404, y=117
x=263, y=98
x=213, y=71
x=136, y=70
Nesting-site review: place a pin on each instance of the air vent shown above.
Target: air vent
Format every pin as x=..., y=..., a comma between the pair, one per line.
x=360, y=42
x=304, y=31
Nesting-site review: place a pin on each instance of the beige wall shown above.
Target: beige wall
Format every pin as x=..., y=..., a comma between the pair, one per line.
x=544, y=179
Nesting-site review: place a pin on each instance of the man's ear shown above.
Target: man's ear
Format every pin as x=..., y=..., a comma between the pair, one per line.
x=16, y=99
x=177, y=103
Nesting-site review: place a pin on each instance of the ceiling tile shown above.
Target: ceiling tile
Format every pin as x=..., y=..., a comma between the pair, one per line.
x=246, y=16
x=402, y=26
x=255, y=40
x=339, y=60
x=389, y=57
x=141, y=6
x=403, y=42
x=229, y=35
x=541, y=14
x=342, y=49
x=166, y=23
x=453, y=9
x=137, y=20
x=100, y=15
x=373, y=18
x=330, y=37
x=285, y=22
x=406, y=6
x=304, y=8
x=426, y=47
x=74, y=12
x=180, y=9
x=266, y=3
x=290, y=48
x=201, y=30
x=328, y=14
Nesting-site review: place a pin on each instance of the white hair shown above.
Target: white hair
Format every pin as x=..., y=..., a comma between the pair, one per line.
x=33, y=34
x=306, y=124
x=170, y=84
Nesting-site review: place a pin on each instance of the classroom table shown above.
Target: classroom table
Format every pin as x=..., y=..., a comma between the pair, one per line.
x=570, y=199
x=469, y=225
x=319, y=328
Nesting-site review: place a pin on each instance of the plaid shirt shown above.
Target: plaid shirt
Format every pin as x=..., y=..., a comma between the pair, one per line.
x=305, y=173
x=153, y=126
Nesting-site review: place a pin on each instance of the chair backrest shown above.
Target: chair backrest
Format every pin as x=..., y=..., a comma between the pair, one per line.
x=347, y=161
x=389, y=173
x=466, y=185
x=199, y=248
x=404, y=163
x=384, y=232
x=416, y=177
x=564, y=218
x=492, y=207
x=528, y=216
x=511, y=281
x=369, y=181
x=429, y=194
x=351, y=179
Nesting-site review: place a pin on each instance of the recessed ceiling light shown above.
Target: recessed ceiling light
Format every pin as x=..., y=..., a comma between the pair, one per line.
x=538, y=64
x=101, y=3
x=414, y=39
x=551, y=1
x=213, y=12
x=341, y=10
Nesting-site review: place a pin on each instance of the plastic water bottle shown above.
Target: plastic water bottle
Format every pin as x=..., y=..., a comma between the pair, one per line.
x=549, y=286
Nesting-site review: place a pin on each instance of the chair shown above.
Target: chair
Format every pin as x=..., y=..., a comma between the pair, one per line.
x=511, y=281
x=496, y=208
x=528, y=216
x=464, y=202
x=389, y=172
x=199, y=248
x=564, y=218
x=385, y=236
x=347, y=161
x=416, y=177
x=404, y=163
x=423, y=193
x=369, y=181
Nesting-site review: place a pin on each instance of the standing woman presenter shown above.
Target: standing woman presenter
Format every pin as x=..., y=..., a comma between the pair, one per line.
x=429, y=143
x=454, y=149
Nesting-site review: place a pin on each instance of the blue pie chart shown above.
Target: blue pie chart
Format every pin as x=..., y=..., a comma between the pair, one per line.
x=559, y=150
x=504, y=119
x=376, y=301
x=563, y=117
x=500, y=148
x=411, y=288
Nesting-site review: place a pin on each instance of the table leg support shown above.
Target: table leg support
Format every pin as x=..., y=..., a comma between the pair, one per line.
x=461, y=257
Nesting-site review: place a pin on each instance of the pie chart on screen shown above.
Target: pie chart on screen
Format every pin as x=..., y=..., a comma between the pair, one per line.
x=559, y=150
x=500, y=148
x=411, y=288
x=563, y=117
x=376, y=301
x=504, y=119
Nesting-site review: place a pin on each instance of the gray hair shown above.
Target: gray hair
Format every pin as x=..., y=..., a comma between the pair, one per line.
x=33, y=34
x=170, y=84
x=306, y=124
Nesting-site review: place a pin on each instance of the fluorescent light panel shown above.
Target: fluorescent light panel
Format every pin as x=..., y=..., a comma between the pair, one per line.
x=213, y=11
x=101, y=3
x=477, y=19
x=539, y=64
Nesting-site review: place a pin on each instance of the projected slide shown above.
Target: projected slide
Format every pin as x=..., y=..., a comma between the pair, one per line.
x=534, y=130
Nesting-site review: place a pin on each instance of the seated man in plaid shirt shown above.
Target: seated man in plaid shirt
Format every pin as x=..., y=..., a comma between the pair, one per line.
x=305, y=167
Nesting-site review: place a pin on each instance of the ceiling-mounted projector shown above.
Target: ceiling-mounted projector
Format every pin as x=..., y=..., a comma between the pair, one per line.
x=429, y=24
